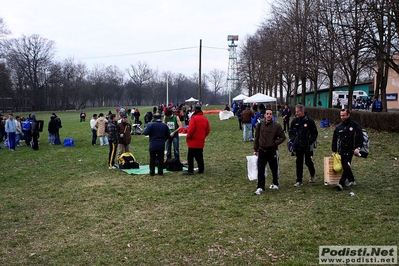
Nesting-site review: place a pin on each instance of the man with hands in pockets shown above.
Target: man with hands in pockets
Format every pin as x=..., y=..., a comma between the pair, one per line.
x=268, y=136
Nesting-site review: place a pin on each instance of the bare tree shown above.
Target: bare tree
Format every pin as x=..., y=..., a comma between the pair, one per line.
x=31, y=56
x=352, y=49
x=97, y=80
x=6, y=86
x=74, y=84
x=216, y=79
x=114, y=84
x=381, y=35
x=3, y=28
x=140, y=76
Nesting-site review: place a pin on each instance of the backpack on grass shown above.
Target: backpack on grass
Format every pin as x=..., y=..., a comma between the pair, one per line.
x=173, y=164
x=127, y=161
x=68, y=142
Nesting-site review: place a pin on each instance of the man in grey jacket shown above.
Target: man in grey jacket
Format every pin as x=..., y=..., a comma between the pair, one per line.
x=268, y=136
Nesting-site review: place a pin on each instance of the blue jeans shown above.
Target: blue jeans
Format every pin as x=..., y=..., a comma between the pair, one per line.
x=175, y=141
x=11, y=140
x=247, y=128
x=17, y=139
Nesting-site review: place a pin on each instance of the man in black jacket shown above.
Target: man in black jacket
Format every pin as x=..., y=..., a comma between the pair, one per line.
x=303, y=134
x=347, y=141
x=158, y=133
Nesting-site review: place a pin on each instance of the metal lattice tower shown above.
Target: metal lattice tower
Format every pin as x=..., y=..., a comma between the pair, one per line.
x=232, y=70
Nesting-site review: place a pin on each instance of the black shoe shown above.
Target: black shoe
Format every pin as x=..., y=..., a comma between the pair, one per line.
x=152, y=174
x=187, y=173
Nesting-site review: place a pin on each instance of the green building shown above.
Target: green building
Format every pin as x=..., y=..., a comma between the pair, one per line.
x=322, y=94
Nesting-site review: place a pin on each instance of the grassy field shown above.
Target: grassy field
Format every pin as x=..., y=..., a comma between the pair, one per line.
x=63, y=206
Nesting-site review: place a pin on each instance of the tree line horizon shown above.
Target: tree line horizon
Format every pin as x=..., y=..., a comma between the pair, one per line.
x=301, y=47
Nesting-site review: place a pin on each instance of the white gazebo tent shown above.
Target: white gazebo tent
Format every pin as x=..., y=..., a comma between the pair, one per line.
x=260, y=98
x=191, y=100
x=240, y=97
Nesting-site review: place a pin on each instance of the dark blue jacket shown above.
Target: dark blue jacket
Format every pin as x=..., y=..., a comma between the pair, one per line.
x=303, y=133
x=347, y=137
x=158, y=133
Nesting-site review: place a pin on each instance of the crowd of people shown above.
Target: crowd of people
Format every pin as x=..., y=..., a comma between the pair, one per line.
x=266, y=134
x=363, y=103
x=164, y=123
x=27, y=129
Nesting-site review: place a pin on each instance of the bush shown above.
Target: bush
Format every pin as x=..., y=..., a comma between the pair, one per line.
x=379, y=121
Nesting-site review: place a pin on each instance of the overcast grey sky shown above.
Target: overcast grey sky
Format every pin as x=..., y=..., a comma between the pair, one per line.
x=164, y=34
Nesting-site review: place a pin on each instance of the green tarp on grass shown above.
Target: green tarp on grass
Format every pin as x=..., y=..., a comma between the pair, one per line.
x=144, y=170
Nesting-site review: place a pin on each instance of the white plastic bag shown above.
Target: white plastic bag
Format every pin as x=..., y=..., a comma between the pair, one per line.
x=252, y=165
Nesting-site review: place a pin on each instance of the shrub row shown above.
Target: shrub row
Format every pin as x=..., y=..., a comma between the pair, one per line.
x=388, y=122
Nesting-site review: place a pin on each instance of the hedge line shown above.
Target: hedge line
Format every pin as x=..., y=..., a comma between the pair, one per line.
x=379, y=121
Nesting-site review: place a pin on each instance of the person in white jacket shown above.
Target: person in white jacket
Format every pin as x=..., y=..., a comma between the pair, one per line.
x=93, y=129
x=18, y=132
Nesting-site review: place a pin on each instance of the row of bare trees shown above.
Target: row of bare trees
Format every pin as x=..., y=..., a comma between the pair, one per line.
x=30, y=79
x=307, y=44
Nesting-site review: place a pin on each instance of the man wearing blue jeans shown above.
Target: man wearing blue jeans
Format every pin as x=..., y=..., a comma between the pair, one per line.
x=11, y=129
x=246, y=118
x=174, y=124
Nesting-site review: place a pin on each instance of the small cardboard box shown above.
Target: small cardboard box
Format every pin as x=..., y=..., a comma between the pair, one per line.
x=330, y=177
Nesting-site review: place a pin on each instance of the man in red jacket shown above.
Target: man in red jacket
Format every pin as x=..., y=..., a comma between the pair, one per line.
x=198, y=129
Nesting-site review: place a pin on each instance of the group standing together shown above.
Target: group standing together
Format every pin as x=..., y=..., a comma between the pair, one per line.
x=302, y=132
x=163, y=134
x=13, y=130
x=167, y=132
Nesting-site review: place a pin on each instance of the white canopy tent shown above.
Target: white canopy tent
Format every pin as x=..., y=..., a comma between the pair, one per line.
x=191, y=100
x=240, y=97
x=260, y=98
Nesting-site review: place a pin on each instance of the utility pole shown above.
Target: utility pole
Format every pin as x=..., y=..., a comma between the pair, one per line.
x=199, y=72
x=167, y=90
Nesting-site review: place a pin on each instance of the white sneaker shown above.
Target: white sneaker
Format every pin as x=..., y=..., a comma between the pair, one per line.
x=112, y=167
x=298, y=184
x=275, y=187
x=351, y=184
x=258, y=191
